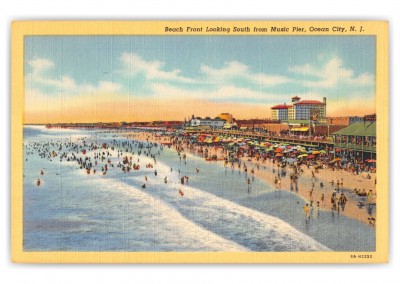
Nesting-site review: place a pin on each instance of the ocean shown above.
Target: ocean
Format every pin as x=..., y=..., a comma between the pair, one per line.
x=74, y=211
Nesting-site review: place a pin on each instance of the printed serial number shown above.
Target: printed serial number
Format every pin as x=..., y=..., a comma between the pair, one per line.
x=361, y=256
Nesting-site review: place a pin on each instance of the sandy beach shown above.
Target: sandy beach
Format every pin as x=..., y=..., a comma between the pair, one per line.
x=268, y=171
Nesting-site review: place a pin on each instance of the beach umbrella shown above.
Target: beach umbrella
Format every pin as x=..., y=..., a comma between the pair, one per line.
x=311, y=157
x=279, y=155
x=322, y=152
x=315, y=152
x=291, y=160
x=278, y=150
x=371, y=161
x=335, y=160
x=302, y=155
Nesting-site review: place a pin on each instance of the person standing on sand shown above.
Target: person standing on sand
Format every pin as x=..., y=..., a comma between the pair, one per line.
x=322, y=200
x=310, y=194
x=342, y=200
x=306, y=209
x=333, y=201
x=276, y=182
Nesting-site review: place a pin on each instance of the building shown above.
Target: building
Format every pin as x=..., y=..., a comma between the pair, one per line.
x=301, y=110
x=214, y=123
x=280, y=112
x=228, y=117
x=359, y=138
x=344, y=120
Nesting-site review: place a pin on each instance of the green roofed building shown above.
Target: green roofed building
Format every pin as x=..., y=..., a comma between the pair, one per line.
x=358, y=137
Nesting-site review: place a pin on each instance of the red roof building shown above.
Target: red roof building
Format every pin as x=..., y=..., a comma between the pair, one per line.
x=280, y=107
x=309, y=102
x=300, y=110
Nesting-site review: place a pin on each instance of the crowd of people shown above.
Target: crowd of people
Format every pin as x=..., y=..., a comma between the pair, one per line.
x=292, y=167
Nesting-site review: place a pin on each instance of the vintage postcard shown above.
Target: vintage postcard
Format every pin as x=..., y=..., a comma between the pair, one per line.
x=200, y=141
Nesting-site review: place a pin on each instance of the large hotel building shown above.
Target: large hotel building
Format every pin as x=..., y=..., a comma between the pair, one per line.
x=300, y=110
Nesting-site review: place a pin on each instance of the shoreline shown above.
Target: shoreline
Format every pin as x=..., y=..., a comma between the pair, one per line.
x=265, y=172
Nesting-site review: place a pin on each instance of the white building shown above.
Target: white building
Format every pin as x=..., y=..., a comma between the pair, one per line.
x=214, y=123
x=301, y=110
x=280, y=112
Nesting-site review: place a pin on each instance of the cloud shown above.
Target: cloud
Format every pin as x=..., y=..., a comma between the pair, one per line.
x=331, y=74
x=39, y=76
x=40, y=64
x=216, y=93
x=236, y=70
x=153, y=70
x=232, y=87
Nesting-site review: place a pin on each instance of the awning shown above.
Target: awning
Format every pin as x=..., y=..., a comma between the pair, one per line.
x=302, y=129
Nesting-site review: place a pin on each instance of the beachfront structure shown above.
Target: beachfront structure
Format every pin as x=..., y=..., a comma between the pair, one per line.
x=214, y=123
x=228, y=117
x=280, y=112
x=301, y=110
x=358, y=137
x=344, y=120
x=230, y=126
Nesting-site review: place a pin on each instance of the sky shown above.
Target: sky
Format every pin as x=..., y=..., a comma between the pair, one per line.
x=147, y=78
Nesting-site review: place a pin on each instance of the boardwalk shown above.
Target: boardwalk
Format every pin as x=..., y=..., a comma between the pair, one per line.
x=272, y=139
